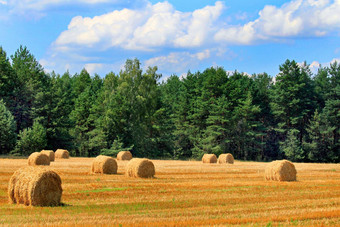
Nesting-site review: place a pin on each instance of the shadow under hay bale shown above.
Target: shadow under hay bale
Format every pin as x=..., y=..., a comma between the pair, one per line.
x=37, y=158
x=281, y=170
x=62, y=154
x=124, y=155
x=35, y=186
x=225, y=158
x=209, y=158
x=49, y=153
x=140, y=167
x=104, y=165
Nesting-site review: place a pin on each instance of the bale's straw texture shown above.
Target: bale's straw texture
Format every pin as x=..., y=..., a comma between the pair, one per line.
x=104, y=165
x=61, y=153
x=124, y=155
x=37, y=158
x=35, y=186
x=282, y=170
x=140, y=167
x=225, y=158
x=49, y=153
x=209, y=158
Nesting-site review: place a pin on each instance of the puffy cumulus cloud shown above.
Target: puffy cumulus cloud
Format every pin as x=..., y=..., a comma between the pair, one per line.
x=295, y=18
x=315, y=65
x=73, y=65
x=193, y=37
x=154, y=26
x=200, y=26
x=178, y=62
x=93, y=67
x=159, y=25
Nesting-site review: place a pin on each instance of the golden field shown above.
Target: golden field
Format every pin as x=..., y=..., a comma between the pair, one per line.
x=183, y=193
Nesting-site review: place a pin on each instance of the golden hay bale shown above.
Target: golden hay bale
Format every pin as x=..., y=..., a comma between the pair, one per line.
x=49, y=153
x=281, y=170
x=140, y=167
x=124, y=155
x=61, y=153
x=35, y=186
x=104, y=164
x=209, y=158
x=225, y=158
x=37, y=158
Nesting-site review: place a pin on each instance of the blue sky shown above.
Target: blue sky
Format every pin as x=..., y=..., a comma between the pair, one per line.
x=176, y=36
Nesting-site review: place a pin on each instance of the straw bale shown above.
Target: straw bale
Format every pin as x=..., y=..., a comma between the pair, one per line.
x=140, y=167
x=49, y=153
x=281, y=170
x=104, y=165
x=124, y=155
x=225, y=158
x=61, y=153
x=209, y=158
x=35, y=186
x=37, y=158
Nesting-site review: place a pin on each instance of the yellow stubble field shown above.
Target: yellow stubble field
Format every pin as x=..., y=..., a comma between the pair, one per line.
x=183, y=193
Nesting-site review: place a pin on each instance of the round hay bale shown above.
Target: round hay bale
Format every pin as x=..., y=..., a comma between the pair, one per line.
x=124, y=155
x=104, y=165
x=61, y=153
x=37, y=158
x=140, y=167
x=209, y=158
x=35, y=186
x=225, y=158
x=49, y=153
x=281, y=170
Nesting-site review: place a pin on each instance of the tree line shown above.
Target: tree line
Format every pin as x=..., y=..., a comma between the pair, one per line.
x=294, y=115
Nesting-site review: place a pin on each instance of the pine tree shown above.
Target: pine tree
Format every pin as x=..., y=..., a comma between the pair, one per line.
x=261, y=97
x=293, y=101
x=8, y=81
x=7, y=130
x=317, y=144
x=217, y=135
x=292, y=147
x=31, y=82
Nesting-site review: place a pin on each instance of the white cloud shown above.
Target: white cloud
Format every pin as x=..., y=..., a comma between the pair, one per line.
x=295, y=18
x=154, y=26
x=178, y=62
x=3, y=2
x=203, y=55
x=335, y=60
x=192, y=37
x=160, y=25
x=315, y=65
x=201, y=24
x=93, y=67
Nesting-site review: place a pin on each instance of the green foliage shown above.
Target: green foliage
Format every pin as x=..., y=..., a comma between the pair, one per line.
x=213, y=111
x=31, y=83
x=293, y=97
x=317, y=143
x=115, y=148
x=8, y=80
x=7, y=130
x=292, y=147
x=31, y=140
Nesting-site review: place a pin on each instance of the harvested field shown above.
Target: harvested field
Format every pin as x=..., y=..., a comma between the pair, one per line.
x=182, y=193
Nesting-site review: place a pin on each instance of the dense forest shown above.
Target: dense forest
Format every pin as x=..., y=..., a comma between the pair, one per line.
x=294, y=115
